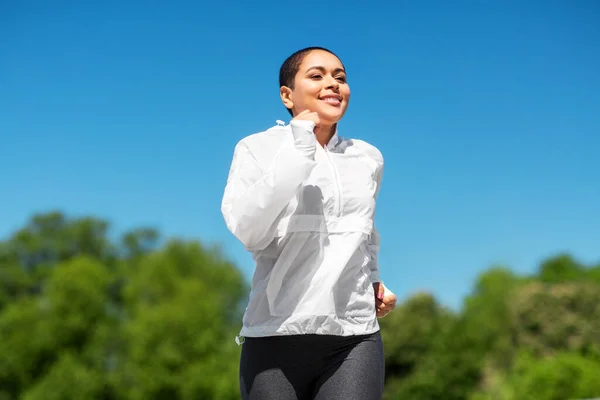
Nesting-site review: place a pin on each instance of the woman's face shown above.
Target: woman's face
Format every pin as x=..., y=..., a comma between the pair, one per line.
x=319, y=86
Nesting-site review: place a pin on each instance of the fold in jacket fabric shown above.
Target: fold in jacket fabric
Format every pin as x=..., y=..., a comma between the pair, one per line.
x=306, y=213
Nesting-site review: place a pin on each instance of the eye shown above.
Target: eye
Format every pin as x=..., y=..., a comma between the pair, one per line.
x=315, y=76
x=341, y=79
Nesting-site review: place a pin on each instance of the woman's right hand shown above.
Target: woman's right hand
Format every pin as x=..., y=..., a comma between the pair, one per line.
x=308, y=115
x=304, y=126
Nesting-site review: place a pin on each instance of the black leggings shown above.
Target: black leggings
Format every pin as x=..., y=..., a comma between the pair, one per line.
x=318, y=367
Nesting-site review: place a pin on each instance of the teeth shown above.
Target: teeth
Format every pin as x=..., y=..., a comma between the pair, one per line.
x=331, y=100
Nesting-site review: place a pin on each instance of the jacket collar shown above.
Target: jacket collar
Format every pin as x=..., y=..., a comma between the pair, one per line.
x=334, y=141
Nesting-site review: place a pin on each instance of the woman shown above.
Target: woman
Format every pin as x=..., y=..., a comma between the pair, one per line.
x=302, y=200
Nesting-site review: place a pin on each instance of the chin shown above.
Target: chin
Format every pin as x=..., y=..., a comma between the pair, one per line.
x=330, y=119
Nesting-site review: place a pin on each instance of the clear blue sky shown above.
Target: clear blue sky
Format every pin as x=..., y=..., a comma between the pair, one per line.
x=488, y=117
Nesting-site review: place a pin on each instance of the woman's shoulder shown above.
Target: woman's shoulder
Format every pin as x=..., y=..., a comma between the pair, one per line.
x=263, y=146
x=367, y=148
x=275, y=133
x=271, y=137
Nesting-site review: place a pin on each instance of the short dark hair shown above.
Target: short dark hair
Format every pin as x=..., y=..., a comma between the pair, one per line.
x=290, y=67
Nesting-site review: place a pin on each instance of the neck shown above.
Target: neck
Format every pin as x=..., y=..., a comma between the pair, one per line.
x=325, y=133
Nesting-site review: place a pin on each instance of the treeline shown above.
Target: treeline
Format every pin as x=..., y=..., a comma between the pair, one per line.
x=85, y=315
x=517, y=338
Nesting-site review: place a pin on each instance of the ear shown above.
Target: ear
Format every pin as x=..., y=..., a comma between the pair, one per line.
x=286, y=97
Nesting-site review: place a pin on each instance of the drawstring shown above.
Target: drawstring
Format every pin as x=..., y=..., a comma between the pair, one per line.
x=240, y=339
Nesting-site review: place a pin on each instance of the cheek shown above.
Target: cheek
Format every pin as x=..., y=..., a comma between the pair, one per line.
x=306, y=93
x=346, y=92
x=313, y=90
x=310, y=87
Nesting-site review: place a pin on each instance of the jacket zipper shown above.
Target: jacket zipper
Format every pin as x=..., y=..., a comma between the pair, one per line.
x=336, y=181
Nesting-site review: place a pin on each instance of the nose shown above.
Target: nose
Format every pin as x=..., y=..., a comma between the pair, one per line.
x=332, y=83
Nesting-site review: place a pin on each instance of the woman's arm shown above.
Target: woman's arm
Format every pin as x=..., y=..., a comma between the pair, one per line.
x=385, y=299
x=373, y=243
x=256, y=195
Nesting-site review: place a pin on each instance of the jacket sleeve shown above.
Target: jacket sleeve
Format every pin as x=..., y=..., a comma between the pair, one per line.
x=256, y=195
x=374, y=238
x=373, y=264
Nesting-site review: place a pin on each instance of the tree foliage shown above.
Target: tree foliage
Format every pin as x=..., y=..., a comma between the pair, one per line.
x=86, y=315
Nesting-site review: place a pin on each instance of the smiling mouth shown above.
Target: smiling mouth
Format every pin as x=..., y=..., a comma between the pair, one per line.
x=332, y=100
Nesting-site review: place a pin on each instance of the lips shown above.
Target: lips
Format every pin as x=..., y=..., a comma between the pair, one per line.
x=334, y=100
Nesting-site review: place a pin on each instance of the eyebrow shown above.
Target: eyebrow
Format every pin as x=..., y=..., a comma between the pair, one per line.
x=322, y=69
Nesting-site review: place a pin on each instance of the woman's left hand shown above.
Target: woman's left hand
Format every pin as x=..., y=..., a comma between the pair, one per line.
x=385, y=300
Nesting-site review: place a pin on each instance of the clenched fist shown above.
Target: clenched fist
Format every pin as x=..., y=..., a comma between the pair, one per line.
x=304, y=126
x=385, y=300
x=308, y=115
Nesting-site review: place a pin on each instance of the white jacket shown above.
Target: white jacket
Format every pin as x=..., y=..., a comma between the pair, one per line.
x=306, y=214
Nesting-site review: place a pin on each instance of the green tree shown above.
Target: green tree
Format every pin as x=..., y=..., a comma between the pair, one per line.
x=68, y=378
x=561, y=268
x=82, y=316
x=555, y=313
x=558, y=317
x=487, y=312
x=183, y=304
x=410, y=333
x=562, y=376
x=477, y=355
x=593, y=274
